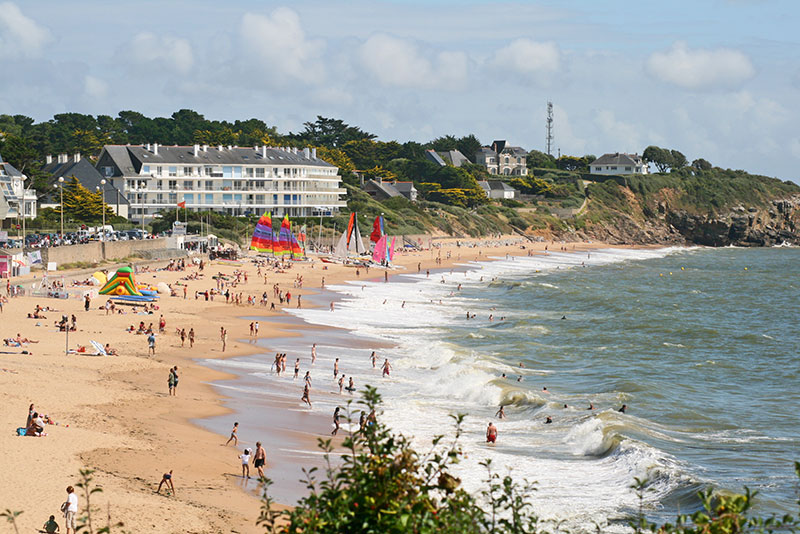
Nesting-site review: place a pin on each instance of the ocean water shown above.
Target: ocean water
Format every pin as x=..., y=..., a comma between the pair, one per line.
x=700, y=344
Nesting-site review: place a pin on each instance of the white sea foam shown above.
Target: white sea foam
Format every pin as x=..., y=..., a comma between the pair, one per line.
x=582, y=464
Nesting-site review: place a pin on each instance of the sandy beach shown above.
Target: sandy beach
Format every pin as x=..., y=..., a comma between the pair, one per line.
x=114, y=414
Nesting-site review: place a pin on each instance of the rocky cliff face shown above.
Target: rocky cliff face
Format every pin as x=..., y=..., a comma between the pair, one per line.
x=741, y=226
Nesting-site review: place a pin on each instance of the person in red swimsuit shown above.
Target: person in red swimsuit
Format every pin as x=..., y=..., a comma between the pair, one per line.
x=491, y=433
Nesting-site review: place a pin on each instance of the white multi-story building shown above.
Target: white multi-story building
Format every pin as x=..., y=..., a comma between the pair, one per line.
x=227, y=179
x=16, y=201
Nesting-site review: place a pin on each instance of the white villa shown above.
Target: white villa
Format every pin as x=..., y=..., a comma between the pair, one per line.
x=618, y=163
x=227, y=179
x=16, y=200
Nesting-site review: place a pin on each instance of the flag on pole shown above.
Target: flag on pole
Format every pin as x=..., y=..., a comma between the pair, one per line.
x=182, y=204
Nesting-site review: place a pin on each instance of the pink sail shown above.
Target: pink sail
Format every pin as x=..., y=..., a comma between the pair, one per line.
x=379, y=253
x=391, y=251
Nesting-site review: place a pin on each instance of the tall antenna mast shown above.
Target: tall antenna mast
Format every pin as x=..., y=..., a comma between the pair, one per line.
x=549, y=127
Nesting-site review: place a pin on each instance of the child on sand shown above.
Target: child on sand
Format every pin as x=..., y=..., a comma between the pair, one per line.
x=234, y=437
x=245, y=457
x=166, y=478
x=51, y=526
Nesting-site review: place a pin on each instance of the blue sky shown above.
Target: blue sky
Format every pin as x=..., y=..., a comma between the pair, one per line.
x=717, y=79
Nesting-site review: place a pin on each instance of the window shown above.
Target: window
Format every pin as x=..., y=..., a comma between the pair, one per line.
x=187, y=171
x=237, y=172
x=108, y=171
x=259, y=199
x=287, y=199
x=173, y=184
x=227, y=197
x=159, y=170
x=159, y=184
x=173, y=198
x=249, y=172
x=188, y=185
x=209, y=198
x=209, y=185
x=260, y=172
x=227, y=172
x=627, y=168
x=506, y=160
x=173, y=171
x=189, y=198
x=145, y=169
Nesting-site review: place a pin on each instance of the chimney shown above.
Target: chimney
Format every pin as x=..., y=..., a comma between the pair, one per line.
x=205, y=148
x=219, y=148
x=48, y=159
x=149, y=148
x=62, y=158
x=230, y=147
x=306, y=153
x=264, y=151
x=77, y=157
x=294, y=150
x=314, y=153
x=155, y=149
x=196, y=150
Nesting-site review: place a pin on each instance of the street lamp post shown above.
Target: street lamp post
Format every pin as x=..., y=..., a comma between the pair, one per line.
x=61, y=187
x=103, y=228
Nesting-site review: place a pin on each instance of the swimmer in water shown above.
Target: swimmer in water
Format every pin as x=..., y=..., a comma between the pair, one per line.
x=591, y=406
x=548, y=420
x=501, y=413
x=624, y=407
x=491, y=433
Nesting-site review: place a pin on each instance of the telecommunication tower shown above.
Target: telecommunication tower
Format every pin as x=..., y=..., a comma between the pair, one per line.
x=549, y=127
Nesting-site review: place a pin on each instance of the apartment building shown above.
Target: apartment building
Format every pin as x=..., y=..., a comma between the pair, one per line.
x=228, y=179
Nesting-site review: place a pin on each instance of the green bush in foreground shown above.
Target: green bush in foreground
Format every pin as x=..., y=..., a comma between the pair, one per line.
x=382, y=485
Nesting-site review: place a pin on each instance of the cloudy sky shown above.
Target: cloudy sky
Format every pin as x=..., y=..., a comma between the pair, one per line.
x=718, y=79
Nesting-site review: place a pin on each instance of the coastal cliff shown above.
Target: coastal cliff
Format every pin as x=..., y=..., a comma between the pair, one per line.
x=745, y=210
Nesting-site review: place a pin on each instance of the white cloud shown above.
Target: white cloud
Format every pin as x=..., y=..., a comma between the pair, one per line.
x=400, y=63
x=528, y=58
x=622, y=135
x=279, y=43
x=794, y=147
x=700, y=68
x=94, y=87
x=20, y=35
x=165, y=51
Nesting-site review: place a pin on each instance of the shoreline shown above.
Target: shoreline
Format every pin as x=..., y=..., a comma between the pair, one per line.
x=122, y=422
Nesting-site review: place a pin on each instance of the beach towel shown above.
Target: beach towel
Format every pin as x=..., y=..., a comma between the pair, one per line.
x=22, y=431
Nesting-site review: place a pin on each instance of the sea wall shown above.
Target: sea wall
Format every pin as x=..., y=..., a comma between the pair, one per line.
x=96, y=251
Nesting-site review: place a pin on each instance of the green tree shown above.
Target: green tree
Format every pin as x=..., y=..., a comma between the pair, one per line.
x=678, y=160
x=331, y=133
x=82, y=205
x=571, y=163
x=659, y=157
x=540, y=160
x=702, y=165
x=469, y=145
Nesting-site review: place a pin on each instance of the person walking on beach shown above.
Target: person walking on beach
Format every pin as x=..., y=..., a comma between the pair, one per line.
x=491, y=433
x=251, y=329
x=166, y=479
x=255, y=328
x=234, y=437
x=183, y=336
x=224, y=338
x=341, y=384
x=151, y=344
x=386, y=367
x=374, y=358
x=259, y=459
x=335, y=421
x=171, y=381
x=70, y=509
x=296, y=368
x=336, y=368
x=313, y=353
x=191, y=338
x=245, y=457
x=175, y=381
x=307, y=378
x=87, y=302
x=306, y=398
